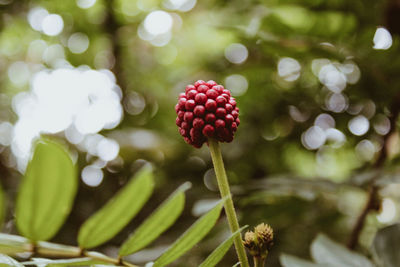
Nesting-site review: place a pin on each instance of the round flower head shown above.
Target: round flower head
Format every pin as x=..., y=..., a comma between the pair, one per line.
x=206, y=110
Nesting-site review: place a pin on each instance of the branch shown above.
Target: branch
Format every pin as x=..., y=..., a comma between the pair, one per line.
x=373, y=188
x=111, y=26
x=52, y=250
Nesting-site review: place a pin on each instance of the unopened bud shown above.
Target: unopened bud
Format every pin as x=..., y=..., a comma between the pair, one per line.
x=260, y=241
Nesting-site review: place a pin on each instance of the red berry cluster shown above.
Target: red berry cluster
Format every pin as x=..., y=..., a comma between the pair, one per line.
x=206, y=110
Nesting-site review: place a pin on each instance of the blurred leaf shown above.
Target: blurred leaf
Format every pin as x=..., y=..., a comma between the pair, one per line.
x=326, y=251
x=117, y=213
x=191, y=237
x=280, y=186
x=216, y=256
x=2, y=206
x=292, y=261
x=296, y=19
x=8, y=261
x=47, y=191
x=12, y=244
x=386, y=246
x=157, y=223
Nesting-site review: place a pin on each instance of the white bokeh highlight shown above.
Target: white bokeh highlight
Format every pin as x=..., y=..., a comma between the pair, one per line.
x=359, y=125
x=236, y=53
x=180, y=5
x=382, y=124
x=336, y=103
x=313, y=138
x=78, y=43
x=388, y=211
x=365, y=150
x=79, y=101
x=289, y=69
x=36, y=16
x=52, y=25
x=157, y=28
x=158, y=22
x=92, y=175
x=237, y=84
x=85, y=4
x=382, y=39
x=332, y=78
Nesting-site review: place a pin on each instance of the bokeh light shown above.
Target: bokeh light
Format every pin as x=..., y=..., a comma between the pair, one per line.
x=52, y=25
x=36, y=16
x=359, y=125
x=237, y=84
x=92, y=175
x=236, y=53
x=180, y=5
x=332, y=78
x=85, y=4
x=382, y=39
x=158, y=22
x=156, y=28
x=335, y=137
x=388, y=212
x=19, y=73
x=78, y=43
x=289, y=69
x=134, y=103
x=381, y=124
x=365, y=150
x=53, y=55
x=313, y=138
x=84, y=99
x=297, y=115
x=336, y=102
x=6, y=129
x=107, y=149
x=324, y=121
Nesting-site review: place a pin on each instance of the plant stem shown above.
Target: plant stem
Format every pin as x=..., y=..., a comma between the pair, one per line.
x=370, y=205
x=373, y=188
x=52, y=250
x=225, y=192
x=258, y=261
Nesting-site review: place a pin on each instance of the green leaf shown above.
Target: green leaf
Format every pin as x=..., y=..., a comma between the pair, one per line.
x=8, y=261
x=117, y=213
x=47, y=191
x=328, y=252
x=216, y=256
x=292, y=261
x=2, y=206
x=191, y=237
x=386, y=246
x=12, y=244
x=157, y=223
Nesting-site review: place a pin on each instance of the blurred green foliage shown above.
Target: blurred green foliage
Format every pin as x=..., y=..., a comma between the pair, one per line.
x=283, y=173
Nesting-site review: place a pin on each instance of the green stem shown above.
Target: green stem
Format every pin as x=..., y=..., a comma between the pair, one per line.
x=259, y=261
x=225, y=192
x=47, y=249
